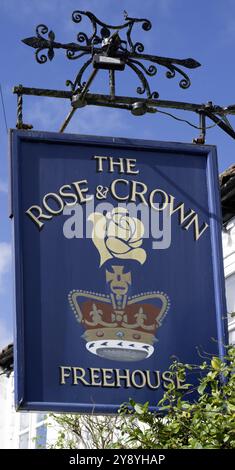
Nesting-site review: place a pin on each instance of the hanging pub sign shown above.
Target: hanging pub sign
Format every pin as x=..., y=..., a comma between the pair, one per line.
x=118, y=267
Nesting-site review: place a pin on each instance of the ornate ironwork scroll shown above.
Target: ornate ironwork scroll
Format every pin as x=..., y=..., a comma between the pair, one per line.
x=110, y=44
x=106, y=39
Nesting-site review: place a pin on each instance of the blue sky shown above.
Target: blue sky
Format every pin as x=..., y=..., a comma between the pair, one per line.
x=204, y=30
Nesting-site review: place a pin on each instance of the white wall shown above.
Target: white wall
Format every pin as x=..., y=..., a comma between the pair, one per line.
x=21, y=429
x=228, y=238
x=7, y=413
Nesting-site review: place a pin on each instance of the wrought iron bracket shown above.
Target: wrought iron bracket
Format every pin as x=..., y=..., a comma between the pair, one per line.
x=106, y=41
x=215, y=113
x=20, y=124
x=112, y=47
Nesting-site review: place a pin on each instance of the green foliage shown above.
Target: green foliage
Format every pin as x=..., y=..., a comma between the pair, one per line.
x=208, y=422
x=85, y=432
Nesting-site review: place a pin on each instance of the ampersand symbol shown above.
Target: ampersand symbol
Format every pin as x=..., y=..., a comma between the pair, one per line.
x=101, y=192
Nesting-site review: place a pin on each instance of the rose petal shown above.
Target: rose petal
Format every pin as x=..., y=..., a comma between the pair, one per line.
x=117, y=246
x=135, y=244
x=119, y=210
x=139, y=230
x=125, y=222
x=117, y=218
x=122, y=220
x=98, y=235
x=138, y=254
x=132, y=223
x=114, y=230
x=99, y=227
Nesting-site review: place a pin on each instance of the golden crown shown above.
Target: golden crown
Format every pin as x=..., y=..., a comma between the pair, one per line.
x=118, y=326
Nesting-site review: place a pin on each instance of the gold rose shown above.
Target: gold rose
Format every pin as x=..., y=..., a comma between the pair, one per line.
x=117, y=235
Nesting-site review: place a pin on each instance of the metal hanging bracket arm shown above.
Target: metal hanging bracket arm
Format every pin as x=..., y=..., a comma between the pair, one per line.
x=20, y=124
x=215, y=113
x=111, y=47
x=106, y=40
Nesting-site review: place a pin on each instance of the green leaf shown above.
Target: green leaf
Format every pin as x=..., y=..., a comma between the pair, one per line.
x=231, y=407
x=202, y=387
x=215, y=363
x=197, y=445
x=146, y=406
x=139, y=408
x=132, y=402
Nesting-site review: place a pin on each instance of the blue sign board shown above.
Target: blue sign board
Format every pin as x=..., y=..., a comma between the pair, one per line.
x=118, y=267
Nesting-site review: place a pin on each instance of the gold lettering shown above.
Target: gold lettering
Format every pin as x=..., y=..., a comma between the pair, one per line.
x=185, y=216
x=80, y=191
x=142, y=377
x=167, y=377
x=160, y=206
x=179, y=382
x=80, y=377
x=150, y=385
x=35, y=218
x=95, y=374
x=57, y=199
x=197, y=232
x=107, y=374
x=130, y=165
x=118, y=164
x=182, y=215
x=64, y=374
x=113, y=189
x=123, y=165
x=68, y=195
x=140, y=194
x=120, y=377
x=100, y=162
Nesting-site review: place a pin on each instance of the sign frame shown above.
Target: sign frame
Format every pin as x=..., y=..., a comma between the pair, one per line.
x=16, y=138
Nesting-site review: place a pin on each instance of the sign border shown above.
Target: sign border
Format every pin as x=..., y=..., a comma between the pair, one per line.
x=214, y=206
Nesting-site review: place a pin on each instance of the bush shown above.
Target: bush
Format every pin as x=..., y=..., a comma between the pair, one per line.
x=206, y=423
